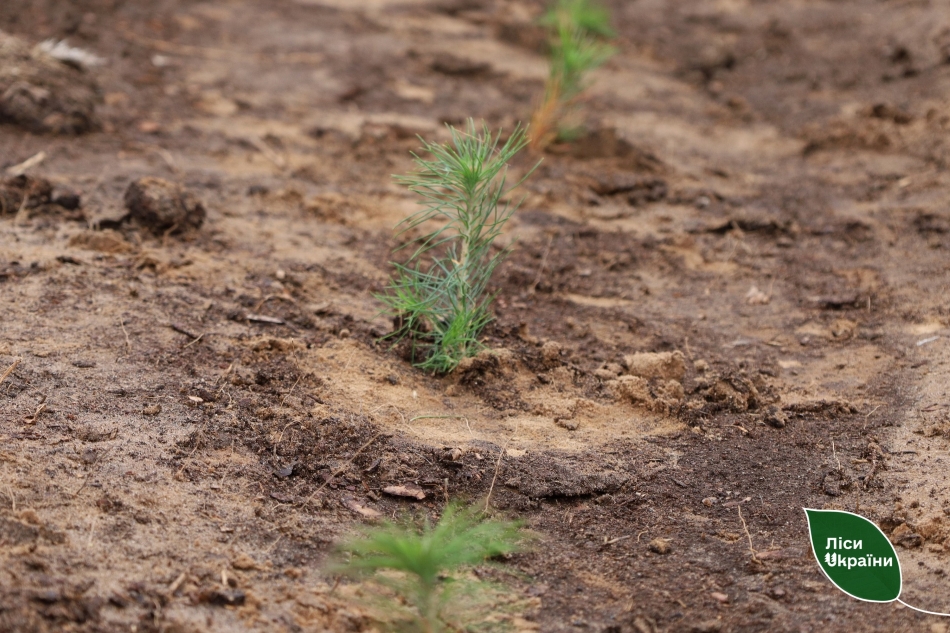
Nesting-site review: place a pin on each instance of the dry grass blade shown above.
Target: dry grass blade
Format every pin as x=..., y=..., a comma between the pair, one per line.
x=9, y=370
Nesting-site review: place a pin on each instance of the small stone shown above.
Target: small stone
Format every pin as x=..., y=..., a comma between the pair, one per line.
x=661, y=546
x=719, y=597
x=777, y=593
x=152, y=410
x=344, y=333
x=68, y=200
x=710, y=501
x=163, y=206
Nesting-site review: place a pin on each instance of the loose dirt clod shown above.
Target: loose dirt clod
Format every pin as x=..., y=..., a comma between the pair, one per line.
x=163, y=206
x=43, y=94
x=551, y=352
x=23, y=192
x=632, y=388
x=775, y=417
x=667, y=365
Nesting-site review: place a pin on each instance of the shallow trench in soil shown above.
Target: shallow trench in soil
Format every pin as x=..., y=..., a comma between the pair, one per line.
x=757, y=209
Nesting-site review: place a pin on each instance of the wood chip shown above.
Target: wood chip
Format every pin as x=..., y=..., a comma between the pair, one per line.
x=22, y=168
x=172, y=588
x=413, y=492
x=260, y=318
x=359, y=508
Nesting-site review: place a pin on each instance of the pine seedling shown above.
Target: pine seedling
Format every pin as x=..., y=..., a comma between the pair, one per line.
x=439, y=297
x=426, y=569
x=578, y=30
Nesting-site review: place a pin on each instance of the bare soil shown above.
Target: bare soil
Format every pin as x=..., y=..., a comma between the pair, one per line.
x=197, y=415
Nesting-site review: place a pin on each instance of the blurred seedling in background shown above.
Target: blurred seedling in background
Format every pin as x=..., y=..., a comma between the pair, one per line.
x=579, y=34
x=419, y=577
x=438, y=298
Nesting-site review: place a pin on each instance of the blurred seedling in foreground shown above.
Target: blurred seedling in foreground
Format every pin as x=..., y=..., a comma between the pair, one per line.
x=579, y=34
x=419, y=576
x=438, y=298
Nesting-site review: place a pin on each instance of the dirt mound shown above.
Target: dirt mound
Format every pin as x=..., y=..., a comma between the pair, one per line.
x=43, y=94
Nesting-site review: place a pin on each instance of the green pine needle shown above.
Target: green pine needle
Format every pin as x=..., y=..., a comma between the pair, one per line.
x=585, y=15
x=439, y=296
